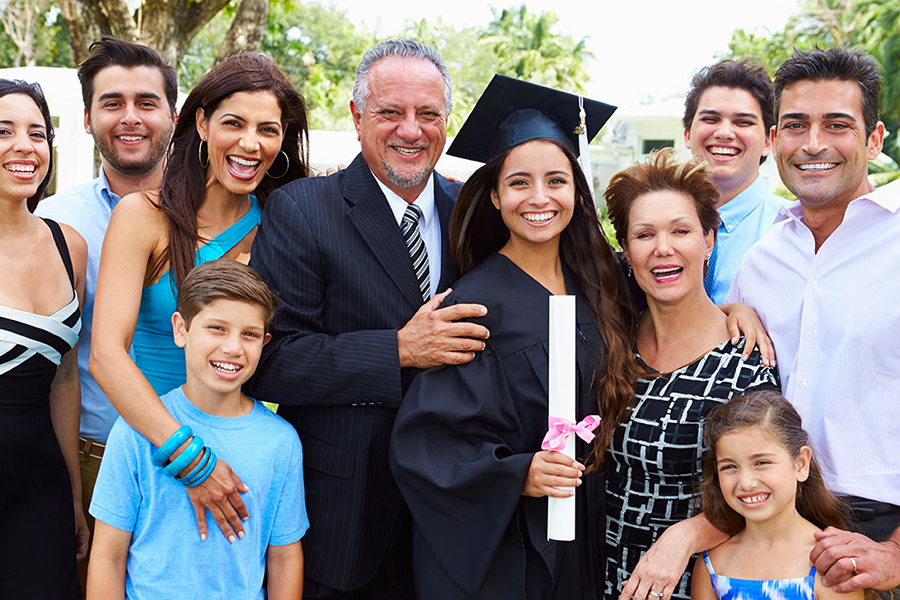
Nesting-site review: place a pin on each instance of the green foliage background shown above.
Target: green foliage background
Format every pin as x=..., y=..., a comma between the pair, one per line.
x=318, y=47
x=872, y=26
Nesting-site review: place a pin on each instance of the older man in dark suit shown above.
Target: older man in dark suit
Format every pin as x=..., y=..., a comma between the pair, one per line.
x=358, y=259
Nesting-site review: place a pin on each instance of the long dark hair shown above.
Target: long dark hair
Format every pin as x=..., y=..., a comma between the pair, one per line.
x=477, y=231
x=34, y=91
x=184, y=180
x=778, y=417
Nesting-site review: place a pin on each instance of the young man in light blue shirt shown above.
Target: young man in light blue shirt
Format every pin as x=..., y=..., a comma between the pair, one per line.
x=129, y=108
x=728, y=113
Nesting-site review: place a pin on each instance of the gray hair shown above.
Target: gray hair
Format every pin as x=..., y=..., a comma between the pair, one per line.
x=404, y=48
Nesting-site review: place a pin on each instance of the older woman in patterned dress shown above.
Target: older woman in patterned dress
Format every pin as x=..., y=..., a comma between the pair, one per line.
x=664, y=213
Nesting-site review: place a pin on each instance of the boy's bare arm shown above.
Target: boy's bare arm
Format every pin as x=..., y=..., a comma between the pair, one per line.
x=284, y=566
x=106, y=570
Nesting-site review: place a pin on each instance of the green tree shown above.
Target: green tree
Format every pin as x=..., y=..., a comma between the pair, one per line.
x=33, y=34
x=526, y=47
x=516, y=43
x=169, y=26
x=872, y=26
x=316, y=46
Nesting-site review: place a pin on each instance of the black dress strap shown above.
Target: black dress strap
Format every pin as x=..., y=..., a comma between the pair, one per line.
x=62, y=247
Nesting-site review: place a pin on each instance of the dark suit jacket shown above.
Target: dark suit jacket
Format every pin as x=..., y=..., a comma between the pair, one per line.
x=332, y=250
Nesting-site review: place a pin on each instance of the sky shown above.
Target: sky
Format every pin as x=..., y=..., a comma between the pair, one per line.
x=644, y=48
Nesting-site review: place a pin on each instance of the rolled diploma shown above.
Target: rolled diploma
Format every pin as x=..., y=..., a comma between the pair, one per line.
x=561, y=511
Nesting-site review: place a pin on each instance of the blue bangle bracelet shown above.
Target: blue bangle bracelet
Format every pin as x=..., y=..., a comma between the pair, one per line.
x=207, y=471
x=201, y=464
x=162, y=454
x=185, y=458
x=194, y=477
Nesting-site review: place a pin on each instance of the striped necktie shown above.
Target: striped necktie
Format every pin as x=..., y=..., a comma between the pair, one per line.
x=709, y=281
x=409, y=226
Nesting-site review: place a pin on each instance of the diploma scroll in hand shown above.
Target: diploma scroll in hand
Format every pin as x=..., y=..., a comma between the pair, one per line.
x=561, y=511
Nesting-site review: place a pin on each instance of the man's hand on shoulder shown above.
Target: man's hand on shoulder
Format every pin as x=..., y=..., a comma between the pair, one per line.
x=434, y=336
x=851, y=561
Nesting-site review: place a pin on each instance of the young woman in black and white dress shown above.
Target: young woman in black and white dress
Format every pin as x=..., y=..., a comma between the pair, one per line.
x=43, y=265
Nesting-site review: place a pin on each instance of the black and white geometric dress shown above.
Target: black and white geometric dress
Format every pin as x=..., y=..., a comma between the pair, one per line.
x=37, y=521
x=654, y=455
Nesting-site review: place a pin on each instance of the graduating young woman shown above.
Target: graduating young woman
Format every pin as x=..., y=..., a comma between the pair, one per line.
x=466, y=448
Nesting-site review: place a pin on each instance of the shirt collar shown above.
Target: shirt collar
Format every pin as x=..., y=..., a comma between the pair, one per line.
x=108, y=195
x=398, y=205
x=736, y=210
x=886, y=196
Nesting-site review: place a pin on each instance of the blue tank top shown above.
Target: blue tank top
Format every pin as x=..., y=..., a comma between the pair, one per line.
x=729, y=588
x=155, y=352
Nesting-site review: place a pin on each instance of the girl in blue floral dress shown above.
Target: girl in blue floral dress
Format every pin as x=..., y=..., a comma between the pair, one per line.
x=761, y=484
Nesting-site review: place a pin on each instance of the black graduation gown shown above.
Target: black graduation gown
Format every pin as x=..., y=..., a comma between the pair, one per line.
x=463, y=442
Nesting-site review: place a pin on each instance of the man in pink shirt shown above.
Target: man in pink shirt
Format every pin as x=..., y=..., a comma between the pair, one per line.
x=821, y=283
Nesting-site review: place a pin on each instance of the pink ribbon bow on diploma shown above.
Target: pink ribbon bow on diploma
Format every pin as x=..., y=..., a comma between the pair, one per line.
x=560, y=430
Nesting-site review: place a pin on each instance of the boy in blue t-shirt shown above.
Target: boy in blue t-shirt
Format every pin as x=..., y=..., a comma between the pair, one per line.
x=143, y=544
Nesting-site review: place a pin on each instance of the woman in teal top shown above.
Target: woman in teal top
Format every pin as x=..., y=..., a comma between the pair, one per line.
x=155, y=352
x=242, y=133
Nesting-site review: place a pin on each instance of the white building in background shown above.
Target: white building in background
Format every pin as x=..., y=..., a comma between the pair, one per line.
x=643, y=129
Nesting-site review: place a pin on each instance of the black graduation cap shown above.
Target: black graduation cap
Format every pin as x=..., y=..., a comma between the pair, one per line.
x=512, y=111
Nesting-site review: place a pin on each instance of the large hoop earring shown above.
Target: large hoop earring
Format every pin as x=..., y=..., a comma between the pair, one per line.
x=286, y=168
x=200, y=154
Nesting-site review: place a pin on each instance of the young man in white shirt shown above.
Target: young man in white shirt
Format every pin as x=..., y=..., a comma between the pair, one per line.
x=820, y=281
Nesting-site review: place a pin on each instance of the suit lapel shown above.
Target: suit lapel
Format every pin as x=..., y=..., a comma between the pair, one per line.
x=373, y=219
x=443, y=202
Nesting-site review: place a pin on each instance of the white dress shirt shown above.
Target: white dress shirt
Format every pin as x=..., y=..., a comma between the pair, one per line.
x=429, y=225
x=834, y=317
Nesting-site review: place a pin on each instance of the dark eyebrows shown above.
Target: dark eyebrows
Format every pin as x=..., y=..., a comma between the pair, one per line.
x=518, y=174
x=109, y=96
x=794, y=115
x=839, y=115
x=827, y=116
x=243, y=120
x=527, y=174
x=716, y=113
x=117, y=95
x=32, y=126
